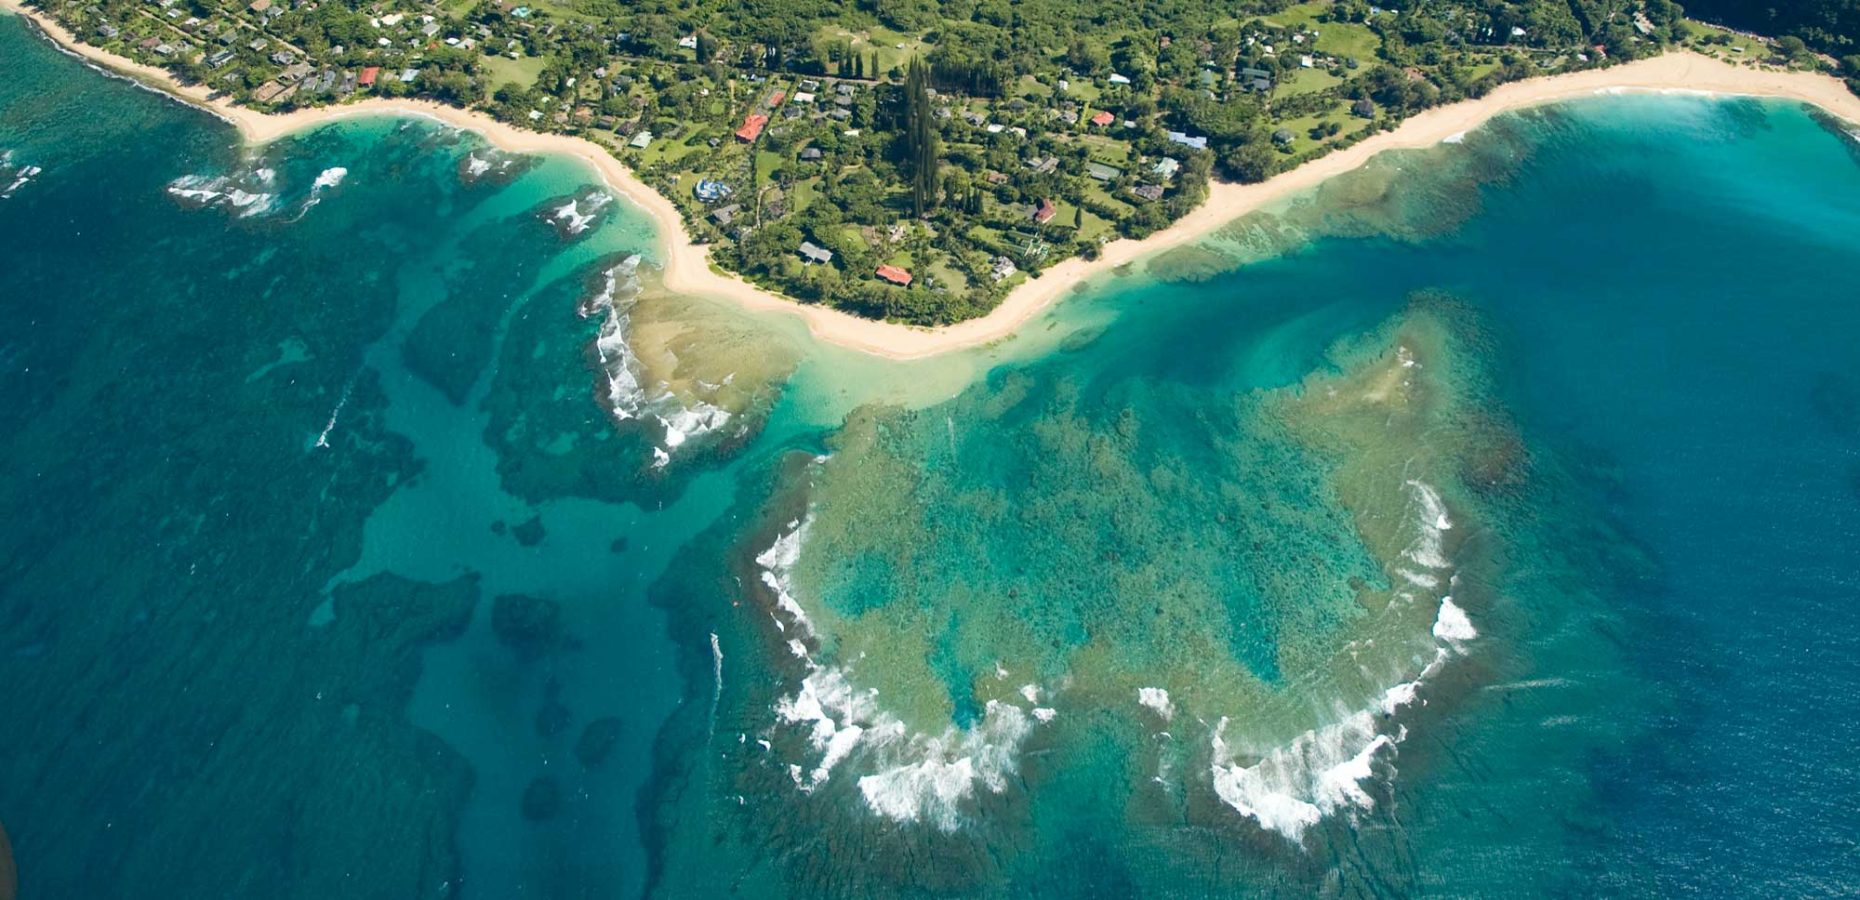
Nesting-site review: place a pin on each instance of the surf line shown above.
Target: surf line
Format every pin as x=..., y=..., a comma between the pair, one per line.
x=716, y=694
x=322, y=440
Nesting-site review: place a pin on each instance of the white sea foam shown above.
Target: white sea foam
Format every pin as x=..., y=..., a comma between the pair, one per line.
x=1031, y=692
x=1433, y=522
x=1451, y=625
x=329, y=178
x=1157, y=699
x=944, y=770
x=777, y=563
x=576, y=215
x=1291, y=787
x=914, y=776
x=20, y=176
x=627, y=397
x=225, y=191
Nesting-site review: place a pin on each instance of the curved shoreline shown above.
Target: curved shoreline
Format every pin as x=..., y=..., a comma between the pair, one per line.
x=688, y=269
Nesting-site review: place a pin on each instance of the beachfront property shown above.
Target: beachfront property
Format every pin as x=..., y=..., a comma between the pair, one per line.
x=814, y=253
x=699, y=107
x=895, y=275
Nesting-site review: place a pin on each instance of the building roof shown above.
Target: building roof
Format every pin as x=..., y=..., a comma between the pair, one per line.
x=1181, y=137
x=1103, y=118
x=752, y=127
x=894, y=275
x=816, y=253
x=1045, y=212
x=369, y=75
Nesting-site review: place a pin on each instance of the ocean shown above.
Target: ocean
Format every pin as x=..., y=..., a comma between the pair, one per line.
x=1485, y=522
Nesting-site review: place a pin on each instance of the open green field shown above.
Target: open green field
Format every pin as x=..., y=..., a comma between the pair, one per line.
x=502, y=70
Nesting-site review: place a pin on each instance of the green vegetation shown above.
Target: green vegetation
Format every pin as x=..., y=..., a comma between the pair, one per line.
x=967, y=142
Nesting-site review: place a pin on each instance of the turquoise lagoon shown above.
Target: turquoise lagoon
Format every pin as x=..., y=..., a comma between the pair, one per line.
x=1486, y=522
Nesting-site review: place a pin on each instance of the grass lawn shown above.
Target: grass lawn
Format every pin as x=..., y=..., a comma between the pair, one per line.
x=502, y=70
x=1308, y=81
x=1301, y=128
x=1099, y=194
x=766, y=164
x=1739, y=48
x=802, y=195
x=1107, y=150
x=882, y=39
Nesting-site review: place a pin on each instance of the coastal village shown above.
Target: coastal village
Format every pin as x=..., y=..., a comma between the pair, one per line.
x=797, y=149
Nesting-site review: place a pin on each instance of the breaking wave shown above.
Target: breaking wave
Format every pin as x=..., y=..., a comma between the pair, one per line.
x=14, y=176
x=911, y=775
x=1290, y=787
x=628, y=396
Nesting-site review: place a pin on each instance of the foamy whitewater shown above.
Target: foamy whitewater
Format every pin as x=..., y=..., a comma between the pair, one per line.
x=1289, y=788
x=912, y=775
x=680, y=421
x=14, y=176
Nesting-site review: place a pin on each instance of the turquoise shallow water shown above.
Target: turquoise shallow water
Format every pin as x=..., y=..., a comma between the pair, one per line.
x=329, y=571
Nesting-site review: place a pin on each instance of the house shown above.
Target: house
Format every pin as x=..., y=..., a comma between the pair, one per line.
x=1282, y=137
x=726, y=214
x=811, y=154
x=1004, y=268
x=1045, y=212
x=1118, y=79
x=1166, y=168
x=267, y=92
x=688, y=42
x=710, y=191
x=108, y=31
x=219, y=59
x=752, y=128
x=1043, y=166
x=895, y=275
x=1103, y=119
x=1150, y=192
x=814, y=253
x=408, y=75
x=641, y=140
x=369, y=74
x=803, y=97
x=1102, y=172
x=259, y=6
x=1194, y=142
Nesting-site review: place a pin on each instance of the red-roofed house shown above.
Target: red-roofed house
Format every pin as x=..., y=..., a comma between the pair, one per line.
x=752, y=128
x=895, y=275
x=1046, y=212
x=1103, y=118
x=776, y=98
x=368, y=76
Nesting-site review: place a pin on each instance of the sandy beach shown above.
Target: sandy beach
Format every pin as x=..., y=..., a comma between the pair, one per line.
x=688, y=268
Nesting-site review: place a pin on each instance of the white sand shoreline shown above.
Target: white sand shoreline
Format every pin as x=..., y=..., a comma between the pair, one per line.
x=687, y=266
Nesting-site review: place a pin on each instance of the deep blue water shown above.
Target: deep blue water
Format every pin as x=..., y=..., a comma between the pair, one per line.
x=326, y=572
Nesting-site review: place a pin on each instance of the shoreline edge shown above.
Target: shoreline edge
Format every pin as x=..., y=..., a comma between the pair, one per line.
x=687, y=267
